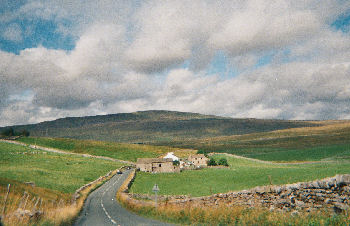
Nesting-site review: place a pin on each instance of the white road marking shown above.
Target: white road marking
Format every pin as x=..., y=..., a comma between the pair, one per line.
x=104, y=209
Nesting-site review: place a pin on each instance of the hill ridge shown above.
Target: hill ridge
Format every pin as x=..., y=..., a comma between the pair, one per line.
x=153, y=126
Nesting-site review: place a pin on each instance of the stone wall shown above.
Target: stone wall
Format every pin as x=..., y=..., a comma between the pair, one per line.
x=330, y=193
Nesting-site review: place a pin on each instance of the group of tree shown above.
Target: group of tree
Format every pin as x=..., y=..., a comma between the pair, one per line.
x=221, y=162
x=10, y=132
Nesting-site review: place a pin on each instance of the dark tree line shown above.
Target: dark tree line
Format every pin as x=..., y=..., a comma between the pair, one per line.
x=221, y=162
x=10, y=132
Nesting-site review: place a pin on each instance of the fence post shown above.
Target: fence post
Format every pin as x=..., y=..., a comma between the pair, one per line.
x=41, y=202
x=7, y=194
x=270, y=179
x=61, y=203
x=25, y=202
x=22, y=200
x=36, y=203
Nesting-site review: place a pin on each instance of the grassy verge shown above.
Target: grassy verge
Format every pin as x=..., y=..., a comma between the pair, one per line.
x=129, y=152
x=234, y=215
x=56, y=178
x=55, y=212
x=242, y=174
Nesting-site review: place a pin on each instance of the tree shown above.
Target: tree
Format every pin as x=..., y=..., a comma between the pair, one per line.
x=223, y=162
x=203, y=152
x=212, y=162
x=8, y=132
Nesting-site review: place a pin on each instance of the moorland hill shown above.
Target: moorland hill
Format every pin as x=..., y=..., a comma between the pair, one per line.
x=154, y=126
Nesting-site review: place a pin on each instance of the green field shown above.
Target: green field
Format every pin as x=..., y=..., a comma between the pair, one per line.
x=242, y=174
x=321, y=153
x=325, y=142
x=129, y=152
x=64, y=173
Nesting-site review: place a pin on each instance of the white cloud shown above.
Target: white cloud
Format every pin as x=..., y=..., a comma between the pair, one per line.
x=71, y=80
x=265, y=25
x=13, y=33
x=169, y=32
x=130, y=55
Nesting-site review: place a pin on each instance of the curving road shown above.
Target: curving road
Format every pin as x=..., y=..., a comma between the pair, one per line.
x=101, y=208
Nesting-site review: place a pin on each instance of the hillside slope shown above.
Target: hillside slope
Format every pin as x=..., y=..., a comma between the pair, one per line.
x=330, y=140
x=154, y=126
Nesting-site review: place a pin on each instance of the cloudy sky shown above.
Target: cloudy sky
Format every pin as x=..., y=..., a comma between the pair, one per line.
x=285, y=59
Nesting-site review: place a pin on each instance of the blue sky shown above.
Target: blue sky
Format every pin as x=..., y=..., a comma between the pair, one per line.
x=37, y=32
x=262, y=59
x=342, y=22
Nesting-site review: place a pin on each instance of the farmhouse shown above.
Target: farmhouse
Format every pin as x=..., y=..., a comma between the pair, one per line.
x=156, y=165
x=198, y=160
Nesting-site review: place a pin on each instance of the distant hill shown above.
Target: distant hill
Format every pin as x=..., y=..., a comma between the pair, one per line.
x=153, y=126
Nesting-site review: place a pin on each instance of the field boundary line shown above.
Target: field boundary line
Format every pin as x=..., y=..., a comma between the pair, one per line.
x=58, y=151
x=269, y=162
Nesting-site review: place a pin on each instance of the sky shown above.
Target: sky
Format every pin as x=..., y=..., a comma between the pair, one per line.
x=263, y=59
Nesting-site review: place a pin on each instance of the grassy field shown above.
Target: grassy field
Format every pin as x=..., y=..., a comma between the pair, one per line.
x=242, y=174
x=56, y=178
x=64, y=173
x=330, y=140
x=321, y=153
x=129, y=152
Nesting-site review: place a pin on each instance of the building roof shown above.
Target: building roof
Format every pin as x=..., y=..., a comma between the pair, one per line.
x=171, y=155
x=152, y=160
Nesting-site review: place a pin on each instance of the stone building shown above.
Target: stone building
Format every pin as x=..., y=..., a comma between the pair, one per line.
x=198, y=160
x=156, y=165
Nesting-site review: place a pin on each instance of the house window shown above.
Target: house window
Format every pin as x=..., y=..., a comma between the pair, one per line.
x=160, y=165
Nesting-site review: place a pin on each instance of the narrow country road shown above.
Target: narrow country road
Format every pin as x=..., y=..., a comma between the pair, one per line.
x=101, y=207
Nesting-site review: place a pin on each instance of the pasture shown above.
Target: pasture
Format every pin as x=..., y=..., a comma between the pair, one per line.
x=242, y=174
x=55, y=177
x=63, y=173
x=328, y=141
x=128, y=152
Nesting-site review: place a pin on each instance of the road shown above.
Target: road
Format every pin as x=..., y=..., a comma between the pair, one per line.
x=101, y=208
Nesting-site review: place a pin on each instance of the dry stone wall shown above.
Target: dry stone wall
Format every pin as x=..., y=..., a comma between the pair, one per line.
x=330, y=193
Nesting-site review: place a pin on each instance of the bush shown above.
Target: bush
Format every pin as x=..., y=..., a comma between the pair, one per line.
x=204, y=152
x=212, y=162
x=223, y=162
x=176, y=163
